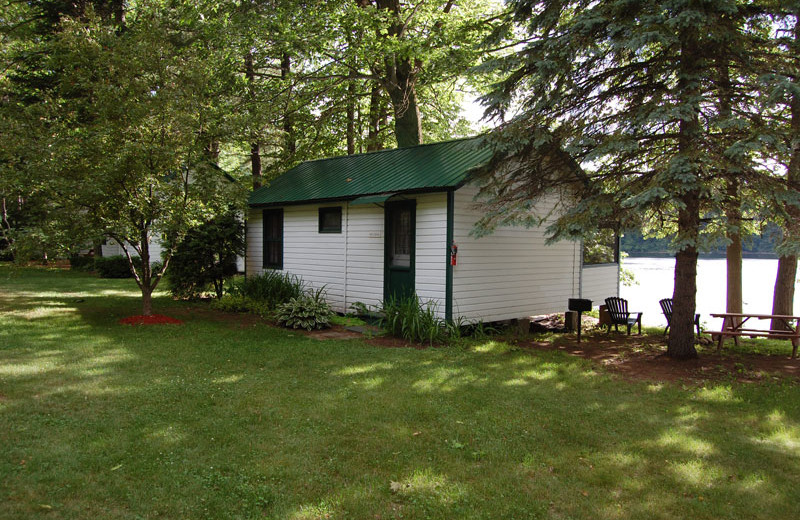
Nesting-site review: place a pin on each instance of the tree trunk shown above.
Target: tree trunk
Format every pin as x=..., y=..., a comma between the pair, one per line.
x=733, y=203
x=147, y=301
x=288, y=124
x=255, y=145
x=255, y=164
x=399, y=81
x=733, y=257
x=783, y=297
x=146, y=276
x=733, y=253
x=681, y=338
x=119, y=12
x=5, y=228
x=112, y=10
x=407, y=120
x=375, y=117
x=212, y=151
x=351, y=117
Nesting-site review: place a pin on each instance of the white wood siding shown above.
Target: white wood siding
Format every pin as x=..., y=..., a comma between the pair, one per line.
x=348, y=264
x=510, y=273
x=365, y=251
x=599, y=282
x=364, y=269
x=111, y=248
x=317, y=258
x=431, y=249
x=351, y=265
x=254, y=244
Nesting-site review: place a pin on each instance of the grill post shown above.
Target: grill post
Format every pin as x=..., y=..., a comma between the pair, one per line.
x=579, y=305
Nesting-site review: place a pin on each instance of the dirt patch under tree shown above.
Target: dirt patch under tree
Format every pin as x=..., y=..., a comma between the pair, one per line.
x=644, y=358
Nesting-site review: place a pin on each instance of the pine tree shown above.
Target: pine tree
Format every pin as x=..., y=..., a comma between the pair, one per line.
x=782, y=84
x=612, y=104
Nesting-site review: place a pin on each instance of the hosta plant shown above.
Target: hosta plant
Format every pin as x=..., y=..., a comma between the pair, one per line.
x=307, y=312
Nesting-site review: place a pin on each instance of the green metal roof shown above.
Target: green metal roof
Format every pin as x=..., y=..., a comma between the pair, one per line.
x=427, y=167
x=372, y=199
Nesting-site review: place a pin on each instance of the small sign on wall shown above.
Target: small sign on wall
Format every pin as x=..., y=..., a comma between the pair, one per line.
x=375, y=234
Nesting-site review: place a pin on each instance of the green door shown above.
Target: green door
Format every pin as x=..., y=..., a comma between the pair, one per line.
x=399, y=249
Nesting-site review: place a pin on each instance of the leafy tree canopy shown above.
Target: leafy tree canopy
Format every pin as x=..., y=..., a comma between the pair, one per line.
x=118, y=144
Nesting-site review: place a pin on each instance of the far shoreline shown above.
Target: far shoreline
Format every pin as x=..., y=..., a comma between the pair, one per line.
x=664, y=254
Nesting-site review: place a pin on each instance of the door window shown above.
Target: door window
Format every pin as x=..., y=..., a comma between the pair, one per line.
x=401, y=238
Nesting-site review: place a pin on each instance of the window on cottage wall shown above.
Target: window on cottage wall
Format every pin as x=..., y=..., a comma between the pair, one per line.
x=402, y=237
x=601, y=248
x=330, y=220
x=273, y=239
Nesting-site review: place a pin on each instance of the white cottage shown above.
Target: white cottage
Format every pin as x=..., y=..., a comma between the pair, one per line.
x=372, y=225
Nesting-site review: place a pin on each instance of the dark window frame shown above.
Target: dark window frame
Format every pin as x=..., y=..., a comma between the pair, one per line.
x=272, y=243
x=333, y=210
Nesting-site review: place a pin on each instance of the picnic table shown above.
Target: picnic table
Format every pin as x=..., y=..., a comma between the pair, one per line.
x=733, y=325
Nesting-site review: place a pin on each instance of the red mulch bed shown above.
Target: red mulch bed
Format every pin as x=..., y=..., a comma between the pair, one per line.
x=153, y=319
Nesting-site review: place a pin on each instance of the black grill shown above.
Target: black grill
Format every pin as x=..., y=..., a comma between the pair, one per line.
x=579, y=304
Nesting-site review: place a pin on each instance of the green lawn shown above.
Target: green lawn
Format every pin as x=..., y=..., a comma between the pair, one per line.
x=215, y=419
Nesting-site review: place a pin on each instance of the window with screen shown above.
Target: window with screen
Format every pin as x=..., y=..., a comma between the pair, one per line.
x=330, y=220
x=273, y=239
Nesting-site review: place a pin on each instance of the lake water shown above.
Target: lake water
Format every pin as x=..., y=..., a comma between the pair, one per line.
x=655, y=279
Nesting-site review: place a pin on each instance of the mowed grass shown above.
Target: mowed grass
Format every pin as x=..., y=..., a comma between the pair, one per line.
x=218, y=419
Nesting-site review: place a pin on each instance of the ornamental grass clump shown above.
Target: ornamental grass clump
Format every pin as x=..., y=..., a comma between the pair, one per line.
x=309, y=312
x=272, y=287
x=237, y=303
x=261, y=294
x=409, y=319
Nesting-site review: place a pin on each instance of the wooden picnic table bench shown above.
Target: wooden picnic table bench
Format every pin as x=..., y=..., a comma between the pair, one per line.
x=733, y=325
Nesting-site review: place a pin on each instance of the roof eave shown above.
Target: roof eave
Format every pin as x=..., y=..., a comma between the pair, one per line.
x=416, y=191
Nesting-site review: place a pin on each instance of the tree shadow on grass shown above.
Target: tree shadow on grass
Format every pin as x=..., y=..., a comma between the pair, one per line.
x=209, y=421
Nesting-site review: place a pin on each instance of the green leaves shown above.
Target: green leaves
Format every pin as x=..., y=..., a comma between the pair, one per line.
x=207, y=257
x=410, y=319
x=119, y=133
x=612, y=82
x=308, y=312
x=659, y=113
